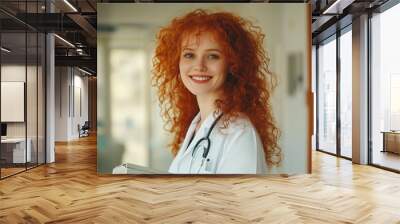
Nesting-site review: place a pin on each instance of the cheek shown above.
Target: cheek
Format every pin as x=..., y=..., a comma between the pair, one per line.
x=223, y=72
x=183, y=71
x=183, y=68
x=221, y=69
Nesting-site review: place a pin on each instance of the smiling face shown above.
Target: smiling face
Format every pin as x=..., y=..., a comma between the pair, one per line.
x=203, y=66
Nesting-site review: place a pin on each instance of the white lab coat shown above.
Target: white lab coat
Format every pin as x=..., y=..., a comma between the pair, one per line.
x=234, y=150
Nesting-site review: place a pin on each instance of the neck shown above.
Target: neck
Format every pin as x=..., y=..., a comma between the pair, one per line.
x=206, y=105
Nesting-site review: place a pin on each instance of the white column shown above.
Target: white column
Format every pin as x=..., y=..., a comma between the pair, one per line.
x=360, y=90
x=50, y=100
x=50, y=92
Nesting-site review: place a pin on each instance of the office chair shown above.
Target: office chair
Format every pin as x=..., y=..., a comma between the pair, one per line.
x=84, y=130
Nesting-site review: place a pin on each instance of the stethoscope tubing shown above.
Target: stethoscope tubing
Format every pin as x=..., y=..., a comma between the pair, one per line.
x=206, y=149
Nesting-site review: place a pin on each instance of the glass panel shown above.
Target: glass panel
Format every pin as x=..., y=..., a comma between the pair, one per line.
x=327, y=97
x=41, y=99
x=314, y=89
x=13, y=87
x=22, y=65
x=346, y=94
x=31, y=98
x=386, y=89
x=394, y=102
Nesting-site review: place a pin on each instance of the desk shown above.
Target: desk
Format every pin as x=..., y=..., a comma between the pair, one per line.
x=16, y=147
x=391, y=141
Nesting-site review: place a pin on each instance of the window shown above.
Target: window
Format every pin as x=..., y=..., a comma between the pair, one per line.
x=346, y=93
x=385, y=88
x=327, y=96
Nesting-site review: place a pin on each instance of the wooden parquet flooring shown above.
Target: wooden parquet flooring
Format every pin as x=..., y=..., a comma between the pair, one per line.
x=70, y=191
x=10, y=171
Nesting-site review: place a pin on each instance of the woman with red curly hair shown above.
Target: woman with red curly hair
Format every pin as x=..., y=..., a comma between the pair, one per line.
x=214, y=87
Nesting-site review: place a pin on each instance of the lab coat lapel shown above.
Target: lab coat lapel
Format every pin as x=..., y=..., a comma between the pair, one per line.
x=202, y=132
x=189, y=134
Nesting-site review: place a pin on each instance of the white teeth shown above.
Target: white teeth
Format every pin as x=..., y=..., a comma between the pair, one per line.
x=201, y=78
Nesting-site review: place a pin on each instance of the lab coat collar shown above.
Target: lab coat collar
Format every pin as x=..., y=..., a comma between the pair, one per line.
x=203, y=130
x=207, y=122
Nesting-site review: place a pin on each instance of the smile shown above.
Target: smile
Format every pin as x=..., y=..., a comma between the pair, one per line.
x=200, y=78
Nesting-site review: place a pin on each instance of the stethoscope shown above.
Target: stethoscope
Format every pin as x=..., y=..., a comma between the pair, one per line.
x=206, y=149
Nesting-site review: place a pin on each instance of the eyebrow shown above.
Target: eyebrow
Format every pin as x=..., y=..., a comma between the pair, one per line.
x=211, y=49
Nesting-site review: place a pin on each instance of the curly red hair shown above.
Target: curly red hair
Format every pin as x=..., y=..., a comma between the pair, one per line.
x=247, y=87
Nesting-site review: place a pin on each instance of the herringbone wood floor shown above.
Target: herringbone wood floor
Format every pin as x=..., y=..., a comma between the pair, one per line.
x=70, y=191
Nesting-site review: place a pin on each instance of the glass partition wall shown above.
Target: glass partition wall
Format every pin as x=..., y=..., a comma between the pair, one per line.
x=345, y=92
x=22, y=87
x=385, y=89
x=326, y=140
x=334, y=94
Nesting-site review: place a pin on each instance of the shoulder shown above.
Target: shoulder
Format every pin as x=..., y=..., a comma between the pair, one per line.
x=240, y=133
x=242, y=151
x=237, y=125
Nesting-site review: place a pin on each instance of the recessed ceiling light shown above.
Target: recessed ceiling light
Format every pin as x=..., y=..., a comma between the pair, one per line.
x=70, y=5
x=337, y=7
x=84, y=71
x=5, y=49
x=64, y=40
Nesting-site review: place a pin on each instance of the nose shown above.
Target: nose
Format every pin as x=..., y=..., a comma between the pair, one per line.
x=200, y=64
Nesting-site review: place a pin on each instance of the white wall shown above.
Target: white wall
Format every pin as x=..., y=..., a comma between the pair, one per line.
x=11, y=73
x=70, y=83
x=33, y=126
x=16, y=73
x=61, y=103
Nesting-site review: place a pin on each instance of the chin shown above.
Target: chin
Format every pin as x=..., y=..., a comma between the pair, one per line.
x=197, y=92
